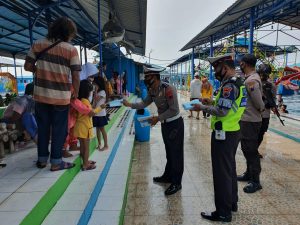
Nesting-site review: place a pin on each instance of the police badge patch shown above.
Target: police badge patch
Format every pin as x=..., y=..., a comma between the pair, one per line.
x=226, y=92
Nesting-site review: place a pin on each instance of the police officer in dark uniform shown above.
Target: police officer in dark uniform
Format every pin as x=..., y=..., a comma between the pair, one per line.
x=164, y=96
x=251, y=124
x=269, y=98
x=226, y=113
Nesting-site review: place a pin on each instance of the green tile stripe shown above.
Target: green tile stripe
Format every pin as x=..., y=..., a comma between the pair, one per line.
x=122, y=213
x=285, y=135
x=37, y=215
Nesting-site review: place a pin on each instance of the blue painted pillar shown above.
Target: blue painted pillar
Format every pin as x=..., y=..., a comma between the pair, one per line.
x=120, y=72
x=99, y=34
x=181, y=74
x=251, y=33
x=193, y=65
x=180, y=77
x=80, y=52
x=85, y=53
x=211, y=54
x=15, y=65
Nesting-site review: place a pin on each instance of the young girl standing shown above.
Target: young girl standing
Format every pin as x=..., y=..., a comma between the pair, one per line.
x=83, y=129
x=100, y=119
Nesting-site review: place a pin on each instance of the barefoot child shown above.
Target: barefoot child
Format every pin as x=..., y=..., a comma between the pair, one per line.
x=83, y=129
x=100, y=119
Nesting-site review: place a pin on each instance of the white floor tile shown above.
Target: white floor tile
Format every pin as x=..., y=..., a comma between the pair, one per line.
x=72, y=202
x=37, y=184
x=11, y=185
x=104, y=218
x=109, y=203
x=3, y=196
x=112, y=191
x=62, y=218
x=22, y=173
x=21, y=201
x=81, y=187
x=116, y=179
x=12, y=218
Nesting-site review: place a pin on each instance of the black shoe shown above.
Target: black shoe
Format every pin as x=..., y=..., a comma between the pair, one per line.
x=252, y=187
x=234, y=207
x=243, y=177
x=214, y=216
x=172, y=189
x=161, y=179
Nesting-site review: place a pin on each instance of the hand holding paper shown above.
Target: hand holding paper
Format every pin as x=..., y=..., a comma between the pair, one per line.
x=189, y=105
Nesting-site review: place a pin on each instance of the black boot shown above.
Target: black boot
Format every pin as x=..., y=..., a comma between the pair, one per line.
x=252, y=187
x=214, y=216
x=172, y=189
x=161, y=179
x=243, y=177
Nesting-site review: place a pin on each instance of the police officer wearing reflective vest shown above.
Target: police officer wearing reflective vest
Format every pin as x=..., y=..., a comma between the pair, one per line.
x=164, y=96
x=251, y=124
x=269, y=97
x=227, y=110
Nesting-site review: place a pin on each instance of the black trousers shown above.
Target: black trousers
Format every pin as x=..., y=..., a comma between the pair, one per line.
x=173, y=136
x=224, y=171
x=249, y=144
x=263, y=129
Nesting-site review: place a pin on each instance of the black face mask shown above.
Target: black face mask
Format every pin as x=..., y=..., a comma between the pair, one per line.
x=242, y=69
x=219, y=75
x=149, y=83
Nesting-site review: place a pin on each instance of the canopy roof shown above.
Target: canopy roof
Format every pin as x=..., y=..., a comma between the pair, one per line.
x=239, y=46
x=15, y=17
x=236, y=19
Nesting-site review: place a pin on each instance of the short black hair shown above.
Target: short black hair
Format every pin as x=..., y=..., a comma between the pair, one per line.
x=99, y=81
x=29, y=89
x=84, y=89
x=249, y=59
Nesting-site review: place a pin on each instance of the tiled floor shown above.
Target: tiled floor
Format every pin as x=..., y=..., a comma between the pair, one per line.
x=277, y=203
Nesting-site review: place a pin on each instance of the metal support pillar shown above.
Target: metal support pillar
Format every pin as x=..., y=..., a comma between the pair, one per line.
x=211, y=54
x=99, y=35
x=80, y=53
x=251, y=33
x=30, y=30
x=16, y=76
x=193, y=63
x=85, y=53
x=120, y=71
x=181, y=75
x=15, y=65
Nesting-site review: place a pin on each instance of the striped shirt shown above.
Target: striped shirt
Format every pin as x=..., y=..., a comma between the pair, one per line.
x=53, y=78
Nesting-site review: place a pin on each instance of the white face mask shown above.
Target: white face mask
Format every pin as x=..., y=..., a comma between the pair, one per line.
x=91, y=97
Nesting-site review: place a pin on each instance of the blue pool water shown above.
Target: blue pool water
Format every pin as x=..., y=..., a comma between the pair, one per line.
x=293, y=104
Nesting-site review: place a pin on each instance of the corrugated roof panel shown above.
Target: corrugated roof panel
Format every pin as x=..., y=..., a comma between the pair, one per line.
x=14, y=22
x=242, y=9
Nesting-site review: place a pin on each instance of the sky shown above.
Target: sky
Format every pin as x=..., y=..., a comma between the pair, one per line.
x=173, y=23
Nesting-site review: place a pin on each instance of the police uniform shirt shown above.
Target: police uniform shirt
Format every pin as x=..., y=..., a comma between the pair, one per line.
x=229, y=93
x=255, y=105
x=165, y=99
